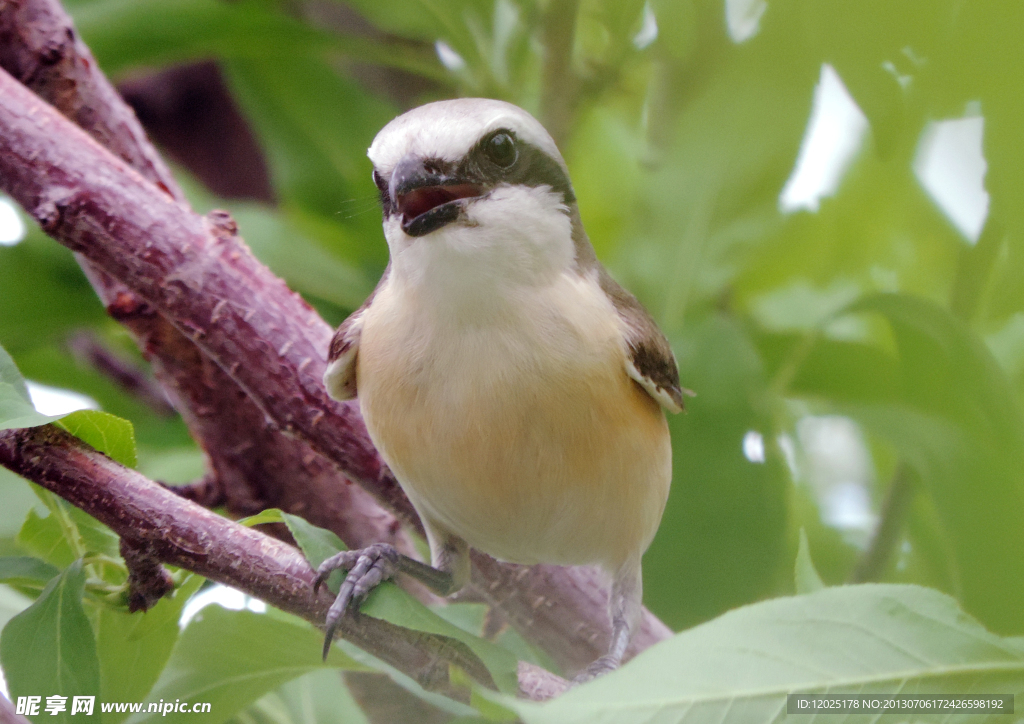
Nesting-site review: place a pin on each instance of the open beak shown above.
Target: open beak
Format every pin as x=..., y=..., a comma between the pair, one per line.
x=426, y=199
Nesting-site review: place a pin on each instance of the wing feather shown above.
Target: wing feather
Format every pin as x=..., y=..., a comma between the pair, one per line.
x=650, y=361
x=340, y=376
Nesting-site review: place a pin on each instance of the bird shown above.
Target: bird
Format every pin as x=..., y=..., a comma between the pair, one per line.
x=515, y=390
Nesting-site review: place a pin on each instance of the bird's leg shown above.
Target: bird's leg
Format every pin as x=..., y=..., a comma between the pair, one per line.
x=624, y=608
x=368, y=567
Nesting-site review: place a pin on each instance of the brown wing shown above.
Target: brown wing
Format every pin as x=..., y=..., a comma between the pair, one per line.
x=651, y=362
x=340, y=377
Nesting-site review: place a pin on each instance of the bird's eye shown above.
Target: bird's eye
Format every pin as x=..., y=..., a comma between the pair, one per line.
x=379, y=181
x=501, y=149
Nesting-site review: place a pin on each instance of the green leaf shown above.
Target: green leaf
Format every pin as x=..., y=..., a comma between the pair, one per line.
x=16, y=408
x=395, y=605
x=867, y=639
x=45, y=295
x=66, y=534
x=316, y=125
x=25, y=569
x=392, y=604
x=805, y=574
x=127, y=33
x=10, y=376
x=49, y=648
x=303, y=263
x=18, y=499
x=43, y=537
x=270, y=515
x=317, y=544
x=232, y=658
x=108, y=433
x=134, y=647
x=320, y=696
x=471, y=617
x=725, y=512
x=12, y=603
x=957, y=423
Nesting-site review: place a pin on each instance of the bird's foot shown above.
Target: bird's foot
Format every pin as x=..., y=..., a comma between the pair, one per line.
x=367, y=567
x=598, y=667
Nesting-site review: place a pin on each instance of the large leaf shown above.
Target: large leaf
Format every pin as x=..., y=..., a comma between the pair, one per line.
x=127, y=33
x=958, y=425
x=134, y=647
x=16, y=408
x=25, y=569
x=65, y=534
x=18, y=500
x=320, y=696
x=49, y=648
x=869, y=639
x=231, y=658
x=11, y=604
x=44, y=537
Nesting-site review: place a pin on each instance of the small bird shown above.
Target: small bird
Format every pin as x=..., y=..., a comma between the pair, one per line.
x=515, y=390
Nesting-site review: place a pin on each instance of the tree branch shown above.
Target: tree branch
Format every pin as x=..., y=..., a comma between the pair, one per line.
x=89, y=350
x=176, y=531
x=894, y=511
x=559, y=83
x=8, y=714
x=203, y=278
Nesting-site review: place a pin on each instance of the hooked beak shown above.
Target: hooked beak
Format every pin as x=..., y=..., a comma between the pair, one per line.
x=426, y=198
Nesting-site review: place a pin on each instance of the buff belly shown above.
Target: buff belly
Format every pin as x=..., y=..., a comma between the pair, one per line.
x=528, y=440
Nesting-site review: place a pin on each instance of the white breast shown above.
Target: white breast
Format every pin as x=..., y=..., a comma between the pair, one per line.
x=513, y=424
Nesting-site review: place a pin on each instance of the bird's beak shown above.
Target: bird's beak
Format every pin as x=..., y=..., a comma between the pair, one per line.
x=427, y=198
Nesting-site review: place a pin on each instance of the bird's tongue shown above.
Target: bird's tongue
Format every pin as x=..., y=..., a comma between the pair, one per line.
x=420, y=201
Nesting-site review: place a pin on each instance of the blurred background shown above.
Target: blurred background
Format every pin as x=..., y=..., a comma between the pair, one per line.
x=821, y=203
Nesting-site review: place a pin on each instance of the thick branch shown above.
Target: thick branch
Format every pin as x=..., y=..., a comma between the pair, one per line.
x=176, y=531
x=39, y=47
x=254, y=464
x=196, y=272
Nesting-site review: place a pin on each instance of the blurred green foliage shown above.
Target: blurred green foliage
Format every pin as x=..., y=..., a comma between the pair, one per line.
x=827, y=347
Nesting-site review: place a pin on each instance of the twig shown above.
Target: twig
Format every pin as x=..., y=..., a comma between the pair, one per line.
x=91, y=351
x=974, y=270
x=148, y=581
x=559, y=83
x=181, y=533
x=898, y=498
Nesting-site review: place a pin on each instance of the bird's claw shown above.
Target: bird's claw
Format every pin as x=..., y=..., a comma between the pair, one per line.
x=367, y=568
x=598, y=667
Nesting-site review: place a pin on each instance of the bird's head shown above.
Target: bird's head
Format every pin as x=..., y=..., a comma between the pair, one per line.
x=473, y=183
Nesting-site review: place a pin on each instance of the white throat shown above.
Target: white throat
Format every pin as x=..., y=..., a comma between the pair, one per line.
x=511, y=240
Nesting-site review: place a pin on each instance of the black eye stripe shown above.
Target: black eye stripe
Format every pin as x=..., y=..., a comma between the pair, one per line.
x=532, y=167
x=385, y=194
